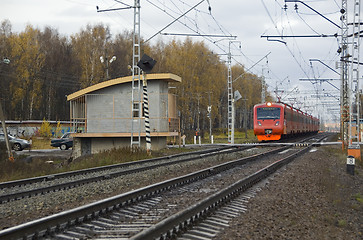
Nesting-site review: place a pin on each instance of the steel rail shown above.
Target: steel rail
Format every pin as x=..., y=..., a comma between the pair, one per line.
x=26, y=181
x=176, y=223
x=51, y=177
x=172, y=226
x=48, y=225
x=68, y=185
x=80, y=182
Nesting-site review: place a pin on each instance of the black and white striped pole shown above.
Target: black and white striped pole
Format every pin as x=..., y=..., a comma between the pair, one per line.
x=146, y=64
x=146, y=113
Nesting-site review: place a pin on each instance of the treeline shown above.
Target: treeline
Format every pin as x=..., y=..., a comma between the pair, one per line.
x=45, y=67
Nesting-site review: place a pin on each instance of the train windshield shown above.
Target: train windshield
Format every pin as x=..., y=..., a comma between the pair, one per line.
x=268, y=113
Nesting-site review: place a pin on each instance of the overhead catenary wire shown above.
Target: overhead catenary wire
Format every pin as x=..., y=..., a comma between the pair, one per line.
x=199, y=32
x=286, y=45
x=208, y=39
x=173, y=21
x=278, y=31
x=302, y=19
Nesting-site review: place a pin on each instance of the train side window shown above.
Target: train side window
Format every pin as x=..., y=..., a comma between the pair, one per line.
x=287, y=115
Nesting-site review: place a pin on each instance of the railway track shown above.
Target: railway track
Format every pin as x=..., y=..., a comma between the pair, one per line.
x=26, y=188
x=205, y=219
x=146, y=208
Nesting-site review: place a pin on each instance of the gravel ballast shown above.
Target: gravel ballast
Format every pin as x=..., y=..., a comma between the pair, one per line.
x=27, y=209
x=312, y=198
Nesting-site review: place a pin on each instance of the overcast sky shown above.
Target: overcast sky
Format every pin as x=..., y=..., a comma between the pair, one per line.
x=287, y=62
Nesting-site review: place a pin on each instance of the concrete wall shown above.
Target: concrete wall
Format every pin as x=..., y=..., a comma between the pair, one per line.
x=109, y=109
x=19, y=129
x=86, y=146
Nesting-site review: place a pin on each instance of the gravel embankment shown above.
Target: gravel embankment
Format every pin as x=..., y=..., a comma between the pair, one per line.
x=23, y=210
x=313, y=198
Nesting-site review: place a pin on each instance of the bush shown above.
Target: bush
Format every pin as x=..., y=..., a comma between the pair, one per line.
x=45, y=129
x=58, y=130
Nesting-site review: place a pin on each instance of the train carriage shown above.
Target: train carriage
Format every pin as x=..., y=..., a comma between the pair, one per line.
x=271, y=121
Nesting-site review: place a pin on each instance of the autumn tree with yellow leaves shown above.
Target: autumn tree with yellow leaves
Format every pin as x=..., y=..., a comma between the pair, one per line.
x=26, y=87
x=46, y=66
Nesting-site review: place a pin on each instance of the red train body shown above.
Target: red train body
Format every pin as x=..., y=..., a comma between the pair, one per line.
x=271, y=121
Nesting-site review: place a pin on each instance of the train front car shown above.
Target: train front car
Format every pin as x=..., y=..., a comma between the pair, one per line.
x=268, y=121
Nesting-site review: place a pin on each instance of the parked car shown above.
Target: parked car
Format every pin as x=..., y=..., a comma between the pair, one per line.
x=65, y=142
x=17, y=144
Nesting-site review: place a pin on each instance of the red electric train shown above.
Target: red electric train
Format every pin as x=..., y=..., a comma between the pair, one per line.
x=271, y=121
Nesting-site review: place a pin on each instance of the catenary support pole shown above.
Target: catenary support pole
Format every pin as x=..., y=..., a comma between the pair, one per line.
x=2, y=118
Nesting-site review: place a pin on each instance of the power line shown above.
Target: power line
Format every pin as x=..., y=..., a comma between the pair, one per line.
x=302, y=19
x=197, y=35
x=173, y=21
x=314, y=11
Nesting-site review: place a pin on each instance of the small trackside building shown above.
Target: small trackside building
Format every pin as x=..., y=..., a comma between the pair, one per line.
x=101, y=114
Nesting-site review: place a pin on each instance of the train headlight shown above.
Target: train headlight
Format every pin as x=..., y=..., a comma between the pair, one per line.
x=277, y=123
x=259, y=123
x=269, y=104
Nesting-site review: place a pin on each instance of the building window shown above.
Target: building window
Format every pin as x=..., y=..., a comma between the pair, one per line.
x=137, y=108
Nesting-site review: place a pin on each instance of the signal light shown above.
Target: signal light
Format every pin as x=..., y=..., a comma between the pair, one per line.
x=146, y=63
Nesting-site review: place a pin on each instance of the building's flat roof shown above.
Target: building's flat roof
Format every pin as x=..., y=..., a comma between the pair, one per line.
x=154, y=76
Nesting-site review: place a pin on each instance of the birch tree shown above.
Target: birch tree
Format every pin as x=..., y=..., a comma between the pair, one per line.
x=28, y=61
x=88, y=47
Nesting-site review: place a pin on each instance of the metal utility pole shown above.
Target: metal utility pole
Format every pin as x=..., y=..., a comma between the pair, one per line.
x=230, y=98
x=245, y=116
x=354, y=113
x=344, y=88
x=107, y=62
x=8, y=147
x=209, y=115
x=343, y=50
x=136, y=80
x=2, y=119
x=263, y=88
x=198, y=116
x=136, y=103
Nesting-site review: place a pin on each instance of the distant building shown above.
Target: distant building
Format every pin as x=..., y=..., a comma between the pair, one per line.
x=101, y=114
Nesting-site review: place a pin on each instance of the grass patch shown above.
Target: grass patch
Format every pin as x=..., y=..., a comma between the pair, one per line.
x=114, y=156
x=221, y=136
x=342, y=223
x=21, y=169
x=355, y=207
x=358, y=197
x=41, y=143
